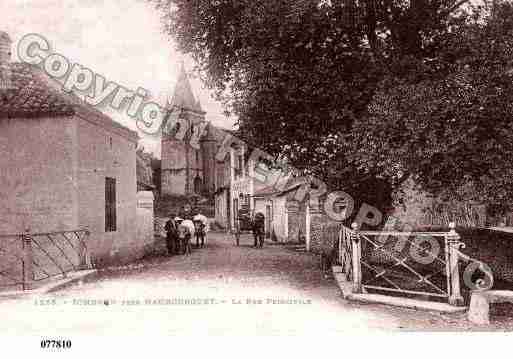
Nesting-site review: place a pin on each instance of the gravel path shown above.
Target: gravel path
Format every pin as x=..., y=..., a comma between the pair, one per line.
x=217, y=290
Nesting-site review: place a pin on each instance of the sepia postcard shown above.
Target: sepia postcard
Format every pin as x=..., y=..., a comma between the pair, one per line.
x=257, y=168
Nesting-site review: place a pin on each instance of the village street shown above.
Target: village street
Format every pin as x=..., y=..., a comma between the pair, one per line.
x=274, y=290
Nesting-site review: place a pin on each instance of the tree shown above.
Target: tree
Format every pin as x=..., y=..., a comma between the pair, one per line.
x=450, y=129
x=300, y=73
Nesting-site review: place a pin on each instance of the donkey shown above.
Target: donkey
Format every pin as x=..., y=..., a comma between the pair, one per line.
x=201, y=223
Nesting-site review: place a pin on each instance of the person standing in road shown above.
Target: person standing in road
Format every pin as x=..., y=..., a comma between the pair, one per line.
x=171, y=236
x=258, y=227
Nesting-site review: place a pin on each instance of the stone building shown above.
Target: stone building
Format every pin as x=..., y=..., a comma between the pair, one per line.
x=64, y=164
x=239, y=190
x=222, y=194
x=285, y=217
x=188, y=169
x=235, y=185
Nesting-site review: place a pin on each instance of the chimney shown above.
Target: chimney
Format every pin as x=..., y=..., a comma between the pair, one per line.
x=5, y=62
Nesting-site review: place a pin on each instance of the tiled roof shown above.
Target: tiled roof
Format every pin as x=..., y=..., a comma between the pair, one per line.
x=291, y=184
x=266, y=191
x=34, y=94
x=31, y=97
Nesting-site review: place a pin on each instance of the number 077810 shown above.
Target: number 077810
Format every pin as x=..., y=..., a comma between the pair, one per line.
x=55, y=344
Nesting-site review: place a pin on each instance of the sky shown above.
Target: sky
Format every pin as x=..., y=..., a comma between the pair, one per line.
x=120, y=39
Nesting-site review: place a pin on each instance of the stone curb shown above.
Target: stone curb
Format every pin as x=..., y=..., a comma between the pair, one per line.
x=346, y=287
x=53, y=286
x=347, y=293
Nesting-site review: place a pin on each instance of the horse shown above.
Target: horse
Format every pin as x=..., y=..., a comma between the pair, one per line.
x=186, y=230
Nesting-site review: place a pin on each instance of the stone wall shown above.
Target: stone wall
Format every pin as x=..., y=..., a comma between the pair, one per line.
x=280, y=223
x=294, y=220
x=323, y=233
x=420, y=209
x=176, y=157
x=173, y=166
x=11, y=263
x=103, y=153
x=53, y=179
x=39, y=175
x=173, y=182
x=221, y=208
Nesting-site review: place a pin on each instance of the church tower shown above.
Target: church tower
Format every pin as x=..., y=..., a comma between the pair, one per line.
x=182, y=164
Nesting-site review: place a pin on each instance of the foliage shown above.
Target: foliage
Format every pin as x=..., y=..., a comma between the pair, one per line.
x=451, y=130
x=363, y=94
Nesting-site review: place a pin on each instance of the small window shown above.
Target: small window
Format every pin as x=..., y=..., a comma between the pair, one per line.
x=110, y=142
x=110, y=205
x=197, y=156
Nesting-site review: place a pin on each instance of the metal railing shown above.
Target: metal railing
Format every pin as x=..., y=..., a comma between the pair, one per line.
x=371, y=260
x=28, y=258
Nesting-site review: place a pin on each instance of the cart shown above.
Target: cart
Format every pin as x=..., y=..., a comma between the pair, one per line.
x=242, y=225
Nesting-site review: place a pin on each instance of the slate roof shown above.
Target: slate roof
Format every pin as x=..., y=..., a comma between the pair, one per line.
x=183, y=96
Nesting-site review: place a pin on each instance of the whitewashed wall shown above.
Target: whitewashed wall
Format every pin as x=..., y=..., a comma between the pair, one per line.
x=145, y=220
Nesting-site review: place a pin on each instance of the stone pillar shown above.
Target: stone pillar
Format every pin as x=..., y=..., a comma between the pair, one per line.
x=357, y=256
x=293, y=220
x=145, y=235
x=453, y=246
x=316, y=221
x=479, y=309
x=307, y=226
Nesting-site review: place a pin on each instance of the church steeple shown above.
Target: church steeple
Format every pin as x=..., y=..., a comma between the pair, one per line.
x=183, y=168
x=183, y=96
